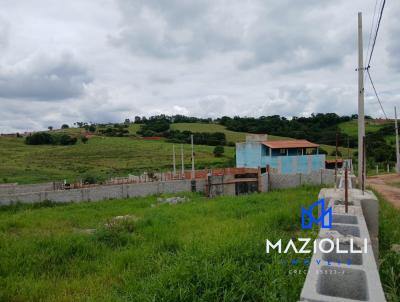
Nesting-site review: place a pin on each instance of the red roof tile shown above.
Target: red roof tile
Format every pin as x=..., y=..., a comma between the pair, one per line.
x=290, y=144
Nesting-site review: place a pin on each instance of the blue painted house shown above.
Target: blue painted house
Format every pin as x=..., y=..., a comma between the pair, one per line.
x=283, y=156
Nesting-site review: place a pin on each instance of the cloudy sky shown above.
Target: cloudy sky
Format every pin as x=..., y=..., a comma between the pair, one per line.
x=107, y=60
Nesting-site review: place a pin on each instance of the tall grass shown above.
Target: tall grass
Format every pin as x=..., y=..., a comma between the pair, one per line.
x=202, y=250
x=389, y=234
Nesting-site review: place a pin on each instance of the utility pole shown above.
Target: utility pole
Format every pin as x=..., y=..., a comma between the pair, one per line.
x=336, y=153
x=397, y=142
x=182, y=162
x=361, y=122
x=191, y=140
x=174, y=159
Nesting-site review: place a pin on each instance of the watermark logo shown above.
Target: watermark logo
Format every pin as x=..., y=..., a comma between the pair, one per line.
x=321, y=219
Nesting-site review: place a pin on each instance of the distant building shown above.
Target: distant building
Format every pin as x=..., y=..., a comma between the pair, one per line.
x=282, y=156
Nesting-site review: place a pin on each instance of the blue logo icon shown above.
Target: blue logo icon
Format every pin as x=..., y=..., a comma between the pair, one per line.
x=321, y=218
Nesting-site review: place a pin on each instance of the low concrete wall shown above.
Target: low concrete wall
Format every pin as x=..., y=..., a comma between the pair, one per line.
x=41, y=192
x=281, y=181
x=104, y=192
x=333, y=278
x=16, y=188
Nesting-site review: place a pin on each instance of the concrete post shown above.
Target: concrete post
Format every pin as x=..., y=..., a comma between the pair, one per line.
x=182, y=163
x=397, y=143
x=174, y=160
x=361, y=122
x=191, y=140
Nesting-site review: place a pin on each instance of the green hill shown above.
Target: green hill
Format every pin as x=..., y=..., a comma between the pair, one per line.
x=101, y=157
x=105, y=157
x=351, y=127
x=231, y=136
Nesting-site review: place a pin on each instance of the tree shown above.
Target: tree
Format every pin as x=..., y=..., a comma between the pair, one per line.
x=67, y=140
x=218, y=151
x=333, y=153
x=64, y=126
x=92, y=128
x=39, y=138
x=84, y=139
x=322, y=151
x=127, y=121
x=50, y=128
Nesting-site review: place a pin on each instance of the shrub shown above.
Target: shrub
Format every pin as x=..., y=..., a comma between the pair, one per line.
x=84, y=139
x=89, y=179
x=44, y=138
x=39, y=138
x=333, y=153
x=67, y=140
x=218, y=151
x=64, y=126
x=322, y=151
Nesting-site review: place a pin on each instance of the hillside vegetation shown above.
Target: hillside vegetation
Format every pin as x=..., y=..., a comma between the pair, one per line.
x=100, y=157
x=231, y=136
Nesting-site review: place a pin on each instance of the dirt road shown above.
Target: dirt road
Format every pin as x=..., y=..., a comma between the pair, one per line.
x=388, y=186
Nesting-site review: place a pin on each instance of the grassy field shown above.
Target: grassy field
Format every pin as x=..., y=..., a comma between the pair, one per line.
x=389, y=234
x=105, y=157
x=231, y=136
x=102, y=157
x=201, y=250
x=351, y=127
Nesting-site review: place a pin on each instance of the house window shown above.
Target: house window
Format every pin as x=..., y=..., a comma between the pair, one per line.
x=282, y=151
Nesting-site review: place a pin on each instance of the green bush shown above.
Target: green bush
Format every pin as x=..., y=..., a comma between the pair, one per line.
x=67, y=140
x=89, y=179
x=333, y=153
x=39, y=138
x=218, y=151
x=44, y=138
x=322, y=151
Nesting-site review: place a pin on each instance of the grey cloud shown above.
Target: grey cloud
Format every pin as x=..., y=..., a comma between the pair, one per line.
x=44, y=78
x=4, y=33
x=393, y=47
x=175, y=29
x=159, y=79
x=297, y=39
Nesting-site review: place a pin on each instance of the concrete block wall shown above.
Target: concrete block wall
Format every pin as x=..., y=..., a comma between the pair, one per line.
x=95, y=193
x=281, y=181
x=103, y=192
x=16, y=188
x=332, y=279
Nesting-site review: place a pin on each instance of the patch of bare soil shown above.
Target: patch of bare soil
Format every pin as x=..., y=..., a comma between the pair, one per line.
x=388, y=186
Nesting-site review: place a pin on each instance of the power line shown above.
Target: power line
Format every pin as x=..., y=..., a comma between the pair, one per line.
x=376, y=93
x=370, y=33
x=376, y=33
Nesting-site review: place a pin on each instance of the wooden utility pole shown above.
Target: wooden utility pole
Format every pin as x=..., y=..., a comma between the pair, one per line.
x=361, y=122
x=191, y=140
x=397, y=142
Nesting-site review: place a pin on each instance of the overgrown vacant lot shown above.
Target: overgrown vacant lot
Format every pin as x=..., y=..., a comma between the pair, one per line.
x=101, y=157
x=201, y=250
x=205, y=250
